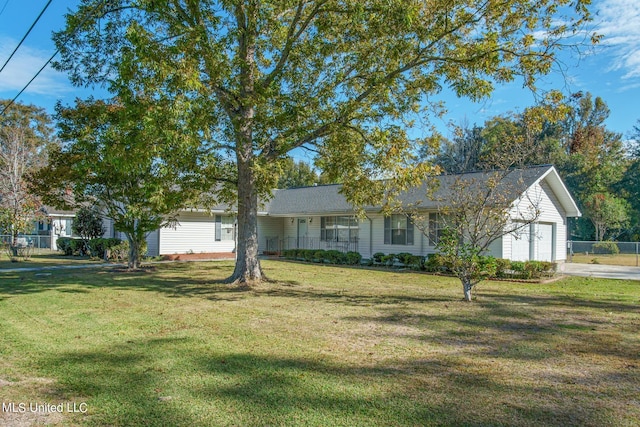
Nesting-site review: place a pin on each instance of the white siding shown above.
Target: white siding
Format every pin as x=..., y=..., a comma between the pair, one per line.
x=195, y=232
x=107, y=223
x=269, y=227
x=552, y=222
x=152, y=243
x=420, y=242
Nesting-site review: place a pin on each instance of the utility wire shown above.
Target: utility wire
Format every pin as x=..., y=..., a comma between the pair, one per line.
x=99, y=5
x=4, y=7
x=25, y=36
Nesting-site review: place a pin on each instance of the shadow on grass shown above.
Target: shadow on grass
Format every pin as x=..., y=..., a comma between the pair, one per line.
x=174, y=280
x=133, y=384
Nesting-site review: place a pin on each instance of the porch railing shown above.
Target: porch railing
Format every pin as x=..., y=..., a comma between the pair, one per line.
x=277, y=244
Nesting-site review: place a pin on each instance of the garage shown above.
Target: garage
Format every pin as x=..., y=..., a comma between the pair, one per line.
x=541, y=248
x=521, y=244
x=544, y=242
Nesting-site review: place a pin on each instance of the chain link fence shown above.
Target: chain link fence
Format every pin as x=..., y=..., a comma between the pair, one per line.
x=38, y=244
x=626, y=250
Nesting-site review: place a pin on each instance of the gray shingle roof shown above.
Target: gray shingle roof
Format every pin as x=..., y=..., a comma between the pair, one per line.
x=326, y=199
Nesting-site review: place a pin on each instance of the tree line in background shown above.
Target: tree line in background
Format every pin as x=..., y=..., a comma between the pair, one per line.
x=601, y=168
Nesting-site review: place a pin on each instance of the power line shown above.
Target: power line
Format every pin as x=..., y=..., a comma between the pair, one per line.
x=25, y=36
x=4, y=7
x=98, y=6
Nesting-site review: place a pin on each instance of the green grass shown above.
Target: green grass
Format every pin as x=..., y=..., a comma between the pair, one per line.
x=618, y=259
x=322, y=346
x=45, y=259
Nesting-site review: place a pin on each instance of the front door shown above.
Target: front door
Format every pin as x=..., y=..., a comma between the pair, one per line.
x=302, y=233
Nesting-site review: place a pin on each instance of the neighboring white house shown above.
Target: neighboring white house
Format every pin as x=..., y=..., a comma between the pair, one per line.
x=319, y=217
x=58, y=224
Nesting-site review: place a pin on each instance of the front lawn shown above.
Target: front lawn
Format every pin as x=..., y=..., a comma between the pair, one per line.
x=324, y=346
x=46, y=258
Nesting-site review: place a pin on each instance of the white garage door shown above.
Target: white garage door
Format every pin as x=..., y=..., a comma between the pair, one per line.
x=544, y=242
x=520, y=244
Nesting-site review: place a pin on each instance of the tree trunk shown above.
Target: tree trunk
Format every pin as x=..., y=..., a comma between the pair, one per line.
x=247, y=270
x=466, y=288
x=133, y=262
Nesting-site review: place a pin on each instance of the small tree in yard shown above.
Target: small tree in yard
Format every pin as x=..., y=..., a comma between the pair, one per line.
x=88, y=225
x=480, y=208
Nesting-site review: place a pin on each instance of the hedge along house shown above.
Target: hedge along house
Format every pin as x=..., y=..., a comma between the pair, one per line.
x=319, y=217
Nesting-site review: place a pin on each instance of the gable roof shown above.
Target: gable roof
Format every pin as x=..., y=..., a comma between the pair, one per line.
x=326, y=199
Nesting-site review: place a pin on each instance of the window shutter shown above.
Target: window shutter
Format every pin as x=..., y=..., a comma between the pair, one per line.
x=387, y=230
x=409, y=231
x=218, y=228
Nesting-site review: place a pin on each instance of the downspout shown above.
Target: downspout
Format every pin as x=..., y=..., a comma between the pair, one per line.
x=370, y=236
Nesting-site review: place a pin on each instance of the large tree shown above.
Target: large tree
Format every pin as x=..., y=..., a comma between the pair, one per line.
x=136, y=163
x=339, y=77
x=25, y=132
x=595, y=158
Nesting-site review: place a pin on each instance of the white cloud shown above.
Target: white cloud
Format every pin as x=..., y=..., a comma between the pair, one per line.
x=619, y=22
x=24, y=65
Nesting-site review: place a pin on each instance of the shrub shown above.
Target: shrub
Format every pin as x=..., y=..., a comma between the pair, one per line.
x=377, y=257
x=388, y=260
x=120, y=252
x=308, y=254
x=502, y=266
x=289, y=253
x=606, y=248
x=517, y=267
x=434, y=263
x=404, y=258
x=98, y=247
x=353, y=258
x=488, y=266
x=335, y=257
x=319, y=256
x=64, y=245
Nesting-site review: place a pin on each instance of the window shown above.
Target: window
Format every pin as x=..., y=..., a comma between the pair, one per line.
x=398, y=230
x=224, y=228
x=338, y=229
x=436, y=227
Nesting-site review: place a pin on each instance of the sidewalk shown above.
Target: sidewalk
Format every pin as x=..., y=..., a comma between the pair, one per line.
x=600, y=270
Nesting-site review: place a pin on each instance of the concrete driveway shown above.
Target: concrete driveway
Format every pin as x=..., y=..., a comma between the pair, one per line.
x=600, y=270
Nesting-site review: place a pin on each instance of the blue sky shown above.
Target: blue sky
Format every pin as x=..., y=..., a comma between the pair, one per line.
x=611, y=71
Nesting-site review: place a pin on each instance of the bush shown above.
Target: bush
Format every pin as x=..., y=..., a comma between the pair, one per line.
x=488, y=266
x=353, y=258
x=517, y=267
x=120, y=252
x=434, y=263
x=502, y=267
x=289, y=253
x=606, y=248
x=389, y=260
x=307, y=254
x=377, y=257
x=98, y=247
x=320, y=255
x=335, y=257
x=64, y=245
